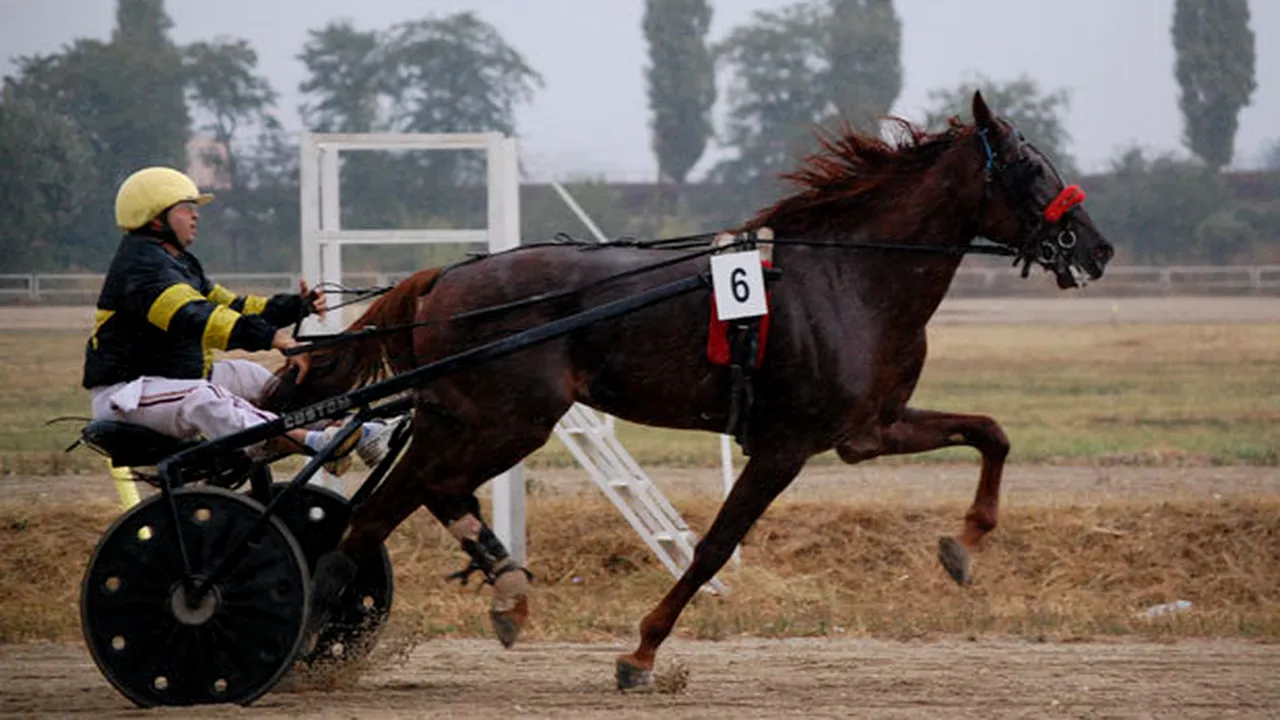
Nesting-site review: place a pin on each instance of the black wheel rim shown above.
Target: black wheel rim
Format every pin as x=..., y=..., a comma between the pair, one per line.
x=234, y=645
x=318, y=517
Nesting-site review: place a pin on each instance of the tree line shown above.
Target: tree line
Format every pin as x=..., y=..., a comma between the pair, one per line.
x=74, y=123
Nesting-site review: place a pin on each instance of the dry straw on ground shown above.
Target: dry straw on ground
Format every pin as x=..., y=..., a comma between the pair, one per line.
x=808, y=569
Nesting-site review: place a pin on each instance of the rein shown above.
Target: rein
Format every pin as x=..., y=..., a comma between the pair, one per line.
x=361, y=293
x=698, y=240
x=318, y=341
x=675, y=243
x=981, y=249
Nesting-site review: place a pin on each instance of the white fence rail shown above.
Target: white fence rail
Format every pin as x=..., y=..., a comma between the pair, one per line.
x=1133, y=280
x=82, y=288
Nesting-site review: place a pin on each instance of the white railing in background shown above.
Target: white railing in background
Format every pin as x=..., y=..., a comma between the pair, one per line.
x=82, y=288
x=1133, y=280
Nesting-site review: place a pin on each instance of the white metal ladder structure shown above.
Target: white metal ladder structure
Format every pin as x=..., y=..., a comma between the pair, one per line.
x=589, y=437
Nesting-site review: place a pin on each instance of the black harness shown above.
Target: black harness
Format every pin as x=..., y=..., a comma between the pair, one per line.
x=1044, y=223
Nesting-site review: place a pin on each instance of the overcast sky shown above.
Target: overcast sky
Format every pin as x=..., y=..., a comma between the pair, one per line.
x=1114, y=56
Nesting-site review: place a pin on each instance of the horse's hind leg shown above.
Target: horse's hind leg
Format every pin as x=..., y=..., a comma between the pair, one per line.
x=480, y=447
x=455, y=450
x=764, y=476
x=460, y=513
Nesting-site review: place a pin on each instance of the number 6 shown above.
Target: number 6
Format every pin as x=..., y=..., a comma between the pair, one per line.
x=738, y=285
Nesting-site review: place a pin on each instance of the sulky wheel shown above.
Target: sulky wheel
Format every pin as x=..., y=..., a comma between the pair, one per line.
x=232, y=646
x=318, y=517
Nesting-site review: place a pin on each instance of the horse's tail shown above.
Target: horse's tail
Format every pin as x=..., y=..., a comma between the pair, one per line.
x=349, y=364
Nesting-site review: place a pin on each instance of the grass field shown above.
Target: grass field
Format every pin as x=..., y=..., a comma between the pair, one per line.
x=1147, y=394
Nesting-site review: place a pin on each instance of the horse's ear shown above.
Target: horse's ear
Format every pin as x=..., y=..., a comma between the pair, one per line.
x=982, y=116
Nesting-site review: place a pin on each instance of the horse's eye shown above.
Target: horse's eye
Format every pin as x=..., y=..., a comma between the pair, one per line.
x=1028, y=173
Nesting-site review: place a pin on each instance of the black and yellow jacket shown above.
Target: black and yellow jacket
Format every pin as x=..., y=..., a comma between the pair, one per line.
x=158, y=315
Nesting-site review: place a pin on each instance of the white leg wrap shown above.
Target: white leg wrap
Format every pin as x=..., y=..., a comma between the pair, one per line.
x=466, y=528
x=509, y=584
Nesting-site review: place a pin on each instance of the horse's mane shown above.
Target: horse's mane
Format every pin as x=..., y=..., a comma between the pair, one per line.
x=850, y=169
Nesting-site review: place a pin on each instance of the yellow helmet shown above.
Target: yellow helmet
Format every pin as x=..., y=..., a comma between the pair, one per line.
x=150, y=191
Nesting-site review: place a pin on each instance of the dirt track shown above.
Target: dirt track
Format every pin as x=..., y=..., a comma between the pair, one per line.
x=745, y=677
x=739, y=678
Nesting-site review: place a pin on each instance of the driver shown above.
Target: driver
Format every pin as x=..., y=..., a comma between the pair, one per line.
x=150, y=359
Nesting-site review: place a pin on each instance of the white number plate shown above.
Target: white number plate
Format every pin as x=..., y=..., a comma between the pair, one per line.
x=739, y=285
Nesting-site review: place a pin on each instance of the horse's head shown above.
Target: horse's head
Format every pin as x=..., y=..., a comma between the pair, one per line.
x=1031, y=209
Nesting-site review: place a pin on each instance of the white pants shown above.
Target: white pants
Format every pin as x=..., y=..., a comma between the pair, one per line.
x=221, y=405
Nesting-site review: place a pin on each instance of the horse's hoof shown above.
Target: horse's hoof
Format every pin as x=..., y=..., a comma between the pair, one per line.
x=955, y=558
x=334, y=571
x=507, y=623
x=631, y=676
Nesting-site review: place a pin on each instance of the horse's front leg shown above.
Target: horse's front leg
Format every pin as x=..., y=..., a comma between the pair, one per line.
x=917, y=431
x=765, y=475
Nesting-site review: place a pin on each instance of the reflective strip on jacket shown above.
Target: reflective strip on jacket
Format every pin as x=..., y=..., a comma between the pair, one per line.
x=158, y=315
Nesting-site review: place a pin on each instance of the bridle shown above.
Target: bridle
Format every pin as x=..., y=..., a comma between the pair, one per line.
x=1046, y=231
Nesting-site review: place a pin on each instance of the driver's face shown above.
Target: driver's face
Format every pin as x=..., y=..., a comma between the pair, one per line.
x=183, y=218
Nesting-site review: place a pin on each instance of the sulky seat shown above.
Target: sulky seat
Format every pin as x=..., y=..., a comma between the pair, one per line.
x=129, y=445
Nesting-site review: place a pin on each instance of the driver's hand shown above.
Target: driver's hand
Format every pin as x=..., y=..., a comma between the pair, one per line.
x=284, y=340
x=314, y=299
x=301, y=363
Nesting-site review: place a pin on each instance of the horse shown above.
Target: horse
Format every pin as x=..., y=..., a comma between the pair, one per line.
x=867, y=246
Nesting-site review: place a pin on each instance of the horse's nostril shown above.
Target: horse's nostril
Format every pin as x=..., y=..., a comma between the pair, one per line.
x=1103, y=253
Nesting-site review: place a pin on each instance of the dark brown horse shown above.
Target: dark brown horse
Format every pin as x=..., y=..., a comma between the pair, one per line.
x=844, y=351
